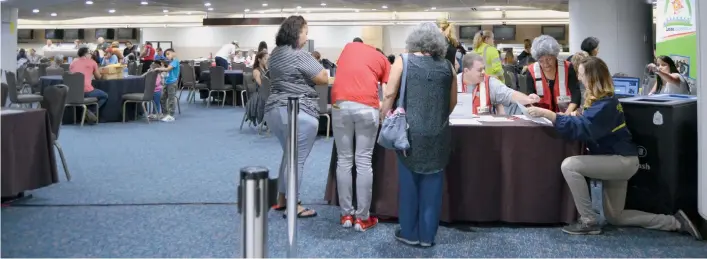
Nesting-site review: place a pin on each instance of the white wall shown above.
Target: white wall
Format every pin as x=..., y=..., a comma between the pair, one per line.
x=701, y=17
x=8, y=43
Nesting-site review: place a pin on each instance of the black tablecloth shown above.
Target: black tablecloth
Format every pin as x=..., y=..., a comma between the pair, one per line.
x=112, y=111
x=233, y=77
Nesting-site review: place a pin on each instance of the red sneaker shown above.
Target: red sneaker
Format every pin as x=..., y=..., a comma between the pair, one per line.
x=362, y=225
x=347, y=221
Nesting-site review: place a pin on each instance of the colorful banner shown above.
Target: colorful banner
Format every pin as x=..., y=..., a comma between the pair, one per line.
x=676, y=35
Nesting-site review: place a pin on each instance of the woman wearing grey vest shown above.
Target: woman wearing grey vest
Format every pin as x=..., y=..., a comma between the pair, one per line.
x=430, y=97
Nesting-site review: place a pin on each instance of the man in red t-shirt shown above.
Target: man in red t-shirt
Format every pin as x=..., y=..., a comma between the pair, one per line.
x=361, y=69
x=147, y=57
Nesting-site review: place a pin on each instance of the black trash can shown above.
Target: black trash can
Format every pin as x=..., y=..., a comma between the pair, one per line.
x=665, y=129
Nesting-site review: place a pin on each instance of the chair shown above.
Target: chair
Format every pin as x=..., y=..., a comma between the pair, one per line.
x=16, y=98
x=55, y=71
x=132, y=69
x=190, y=83
x=143, y=98
x=54, y=102
x=238, y=66
x=203, y=66
x=4, y=93
x=324, y=106
x=139, y=70
x=65, y=67
x=248, y=70
x=263, y=95
x=507, y=77
x=32, y=79
x=596, y=188
x=76, y=98
x=219, y=85
x=43, y=69
x=250, y=89
x=523, y=84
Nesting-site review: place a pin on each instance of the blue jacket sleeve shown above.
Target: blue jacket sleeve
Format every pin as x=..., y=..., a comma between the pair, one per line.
x=595, y=123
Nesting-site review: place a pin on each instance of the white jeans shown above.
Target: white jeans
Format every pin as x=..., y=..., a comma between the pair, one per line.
x=359, y=122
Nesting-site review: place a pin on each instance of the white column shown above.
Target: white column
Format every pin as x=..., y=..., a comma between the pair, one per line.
x=624, y=30
x=8, y=39
x=701, y=17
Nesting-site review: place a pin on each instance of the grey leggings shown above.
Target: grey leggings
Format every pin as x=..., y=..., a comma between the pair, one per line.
x=306, y=134
x=615, y=172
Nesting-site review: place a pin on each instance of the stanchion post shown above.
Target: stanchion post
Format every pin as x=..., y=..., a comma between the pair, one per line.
x=253, y=205
x=292, y=111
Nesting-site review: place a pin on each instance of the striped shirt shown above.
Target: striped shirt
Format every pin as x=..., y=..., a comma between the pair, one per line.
x=291, y=72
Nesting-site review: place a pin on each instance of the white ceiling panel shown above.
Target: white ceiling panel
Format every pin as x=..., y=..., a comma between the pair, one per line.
x=73, y=9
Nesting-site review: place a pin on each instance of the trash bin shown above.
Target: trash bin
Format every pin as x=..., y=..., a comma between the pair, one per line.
x=665, y=129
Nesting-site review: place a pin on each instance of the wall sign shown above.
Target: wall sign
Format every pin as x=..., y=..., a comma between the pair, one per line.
x=676, y=35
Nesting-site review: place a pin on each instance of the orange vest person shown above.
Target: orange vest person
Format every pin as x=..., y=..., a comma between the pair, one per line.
x=559, y=96
x=552, y=78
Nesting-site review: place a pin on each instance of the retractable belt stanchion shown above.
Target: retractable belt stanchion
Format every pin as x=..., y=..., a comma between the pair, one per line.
x=256, y=193
x=292, y=111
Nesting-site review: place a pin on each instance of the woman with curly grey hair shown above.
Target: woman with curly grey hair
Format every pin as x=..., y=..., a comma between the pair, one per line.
x=428, y=101
x=554, y=80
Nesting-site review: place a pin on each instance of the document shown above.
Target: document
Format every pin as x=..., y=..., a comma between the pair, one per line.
x=526, y=116
x=489, y=118
x=464, y=107
x=463, y=122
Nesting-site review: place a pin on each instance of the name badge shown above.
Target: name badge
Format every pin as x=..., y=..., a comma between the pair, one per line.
x=482, y=110
x=563, y=99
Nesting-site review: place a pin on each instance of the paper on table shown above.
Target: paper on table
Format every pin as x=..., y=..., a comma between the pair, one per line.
x=463, y=121
x=464, y=107
x=10, y=111
x=489, y=118
x=538, y=120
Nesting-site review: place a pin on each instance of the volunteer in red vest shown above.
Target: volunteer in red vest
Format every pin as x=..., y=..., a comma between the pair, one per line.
x=551, y=78
x=489, y=92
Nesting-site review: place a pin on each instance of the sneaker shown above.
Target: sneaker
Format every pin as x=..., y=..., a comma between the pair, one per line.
x=167, y=118
x=686, y=225
x=582, y=228
x=91, y=117
x=423, y=244
x=152, y=116
x=400, y=238
x=362, y=225
x=347, y=221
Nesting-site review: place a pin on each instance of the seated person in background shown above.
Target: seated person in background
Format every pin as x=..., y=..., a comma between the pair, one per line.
x=489, y=92
x=508, y=59
x=85, y=65
x=33, y=57
x=109, y=59
x=613, y=157
x=553, y=79
x=668, y=79
x=58, y=60
x=159, y=56
x=115, y=49
x=97, y=57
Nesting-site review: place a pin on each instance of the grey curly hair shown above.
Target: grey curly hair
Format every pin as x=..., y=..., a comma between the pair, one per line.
x=545, y=45
x=427, y=38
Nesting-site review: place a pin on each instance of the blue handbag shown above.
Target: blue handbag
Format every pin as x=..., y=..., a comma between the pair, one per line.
x=393, y=134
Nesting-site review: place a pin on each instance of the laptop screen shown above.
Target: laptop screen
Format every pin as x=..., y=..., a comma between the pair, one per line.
x=626, y=85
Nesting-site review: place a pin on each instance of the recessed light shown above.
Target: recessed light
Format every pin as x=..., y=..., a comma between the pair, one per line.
x=53, y=14
x=166, y=15
x=497, y=9
x=89, y=2
x=35, y=10
x=210, y=9
x=265, y=4
x=207, y=4
x=356, y=10
x=323, y=4
x=111, y=11
x=374, y=9
x=308, y=11
x=188, y=13
x=426, y=10
x=261, y=12
x=299, y=7
x=434, y=8
x=384, y=7
x=165, y=11
x=144, y=3
x=247, y=10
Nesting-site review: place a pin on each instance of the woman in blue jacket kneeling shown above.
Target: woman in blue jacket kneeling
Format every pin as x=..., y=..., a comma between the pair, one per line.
x=613, y=157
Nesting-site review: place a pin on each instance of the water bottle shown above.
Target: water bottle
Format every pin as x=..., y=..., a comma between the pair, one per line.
x=125, y=72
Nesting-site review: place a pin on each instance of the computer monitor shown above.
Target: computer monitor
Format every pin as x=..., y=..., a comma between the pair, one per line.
x=626, y=86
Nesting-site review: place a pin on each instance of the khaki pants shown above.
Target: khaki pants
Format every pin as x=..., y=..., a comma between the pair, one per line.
x=614, y=171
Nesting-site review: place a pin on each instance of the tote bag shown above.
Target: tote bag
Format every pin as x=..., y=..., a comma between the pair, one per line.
x=393, y=134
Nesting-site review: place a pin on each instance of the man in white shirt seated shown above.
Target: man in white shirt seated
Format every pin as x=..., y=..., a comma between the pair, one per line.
x=49, y=46
x=489, y=92
x=226, y=53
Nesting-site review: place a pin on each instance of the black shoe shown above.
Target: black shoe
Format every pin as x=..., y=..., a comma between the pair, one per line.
x=400, y=238
x=582, y=228
x=91, y=117
x=686, y=225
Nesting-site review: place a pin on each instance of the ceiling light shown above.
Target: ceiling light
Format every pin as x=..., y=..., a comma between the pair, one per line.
x=384, y=7
x=299, y=7
x=188, y=13
x=35, y=10
x=53, y=14
x=144, y=3
x=434, y=8
x=89, y=2
x=265, y=4
x=207, y=4
x=356, y=10
x=374, y=9
x=247, y=10
x=166, y=15
x=323, y=4
x=111, y=11
x=261, y=12
x=210, y=9
x=165, y=11
x=498, y=9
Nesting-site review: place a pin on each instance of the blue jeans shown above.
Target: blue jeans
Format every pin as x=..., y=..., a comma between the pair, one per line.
x=419, y=204
x=221, y=62
x=156, y=99
x=98, y=94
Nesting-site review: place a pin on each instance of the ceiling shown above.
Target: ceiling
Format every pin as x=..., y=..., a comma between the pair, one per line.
x=75, y=9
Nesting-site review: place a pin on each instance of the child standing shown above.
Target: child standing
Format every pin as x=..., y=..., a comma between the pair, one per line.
x=169, y=96
x=157, y=96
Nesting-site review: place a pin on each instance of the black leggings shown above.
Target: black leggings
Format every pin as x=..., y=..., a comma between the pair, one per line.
x=146, y=66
